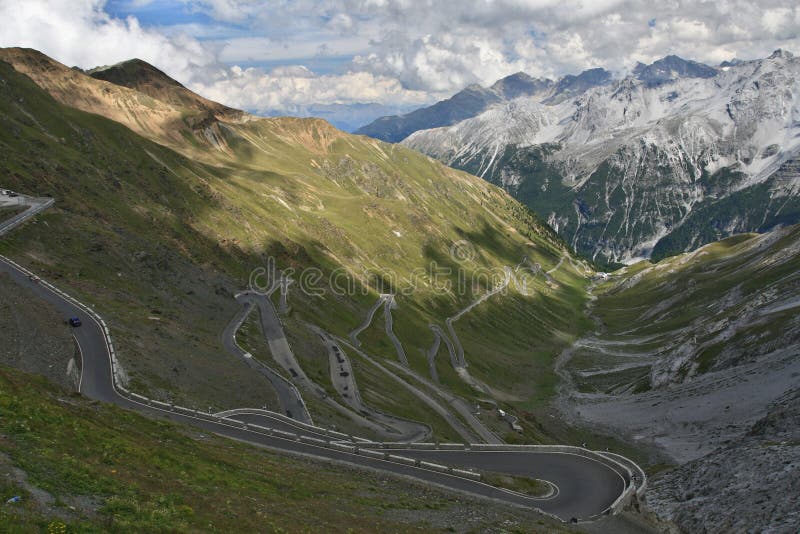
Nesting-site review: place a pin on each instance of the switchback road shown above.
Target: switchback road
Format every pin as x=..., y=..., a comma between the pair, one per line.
x=587, y=485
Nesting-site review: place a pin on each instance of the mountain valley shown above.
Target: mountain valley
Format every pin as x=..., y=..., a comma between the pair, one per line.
x=339, y=285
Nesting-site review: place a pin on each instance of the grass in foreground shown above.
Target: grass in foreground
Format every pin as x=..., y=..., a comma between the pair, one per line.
x=97, y=468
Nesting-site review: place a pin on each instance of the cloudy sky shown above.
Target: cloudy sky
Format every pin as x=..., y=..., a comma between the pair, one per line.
x=273, y=56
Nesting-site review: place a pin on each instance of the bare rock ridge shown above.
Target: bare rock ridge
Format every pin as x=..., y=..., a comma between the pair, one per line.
x=671, y=68
x=757, y=475
x=145, y=78
x=135, y=94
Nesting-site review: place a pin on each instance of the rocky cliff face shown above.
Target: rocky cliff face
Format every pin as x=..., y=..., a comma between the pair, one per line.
x=676, y=155
x=695, y=359
x=678, y=345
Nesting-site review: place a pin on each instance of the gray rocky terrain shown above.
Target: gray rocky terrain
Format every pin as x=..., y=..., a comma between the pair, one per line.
x=751, y=484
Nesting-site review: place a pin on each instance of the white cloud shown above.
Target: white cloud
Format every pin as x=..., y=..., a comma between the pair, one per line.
x=441, y=46
x=80, y=33
x=295, y=88
x=403, y=51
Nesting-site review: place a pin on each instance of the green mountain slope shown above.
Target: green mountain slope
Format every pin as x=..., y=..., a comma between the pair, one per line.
x=159, y=234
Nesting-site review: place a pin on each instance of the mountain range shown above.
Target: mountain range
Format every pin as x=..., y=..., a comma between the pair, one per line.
x=193, y=196
x=475, y=99
x=458, y=312
x=675, y=155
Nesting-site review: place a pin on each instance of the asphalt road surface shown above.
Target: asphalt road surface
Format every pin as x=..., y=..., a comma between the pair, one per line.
x=288, y=396
x=585, y=487
x=281, y=352
x=344, y=381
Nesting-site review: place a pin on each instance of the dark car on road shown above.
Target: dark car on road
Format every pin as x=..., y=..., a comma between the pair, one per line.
x=74, y=322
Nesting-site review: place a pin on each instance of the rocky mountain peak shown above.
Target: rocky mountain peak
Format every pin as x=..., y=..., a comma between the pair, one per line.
x=132, y=73
x=781, y=54
x=141, y=76
x=731, y=62
x=520, y=84
x=475, y=88
x=571, y=85
x=694, y=144
x=670, y=68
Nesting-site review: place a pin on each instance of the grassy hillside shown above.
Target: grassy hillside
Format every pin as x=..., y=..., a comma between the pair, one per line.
x=159, y=232
x=83, y=467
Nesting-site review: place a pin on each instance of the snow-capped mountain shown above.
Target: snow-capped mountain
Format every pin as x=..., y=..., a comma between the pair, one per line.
x=476, y=99
x=671, y=157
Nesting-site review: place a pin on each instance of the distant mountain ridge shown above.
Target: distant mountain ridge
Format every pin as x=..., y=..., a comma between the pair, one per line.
x=571, y=86
x=464, y=104
x=671, y=68
x=673, y=156
x=520, y=84
x=476, y=99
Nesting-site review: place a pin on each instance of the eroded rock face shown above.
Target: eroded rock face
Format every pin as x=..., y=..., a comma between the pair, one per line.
x=674, y=156
x=750, y=485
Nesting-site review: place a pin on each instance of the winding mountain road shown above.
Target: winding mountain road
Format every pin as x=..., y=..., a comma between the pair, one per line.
x=343, y=380
x=431, y=354
x=388, y=305
x=282, y=353
x=475, y=430
x=459, y=405
x=587, y=486
x=367, y=320
x=288, y=396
